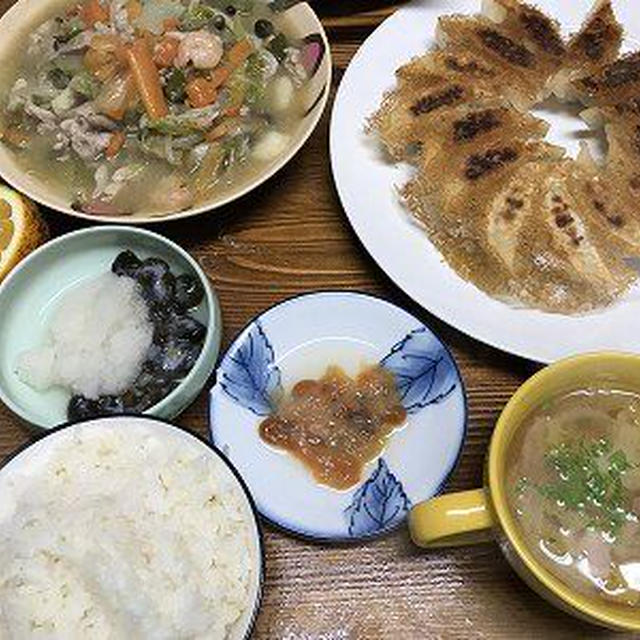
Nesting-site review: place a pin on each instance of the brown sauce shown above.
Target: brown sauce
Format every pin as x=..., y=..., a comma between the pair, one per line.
x=336, y=424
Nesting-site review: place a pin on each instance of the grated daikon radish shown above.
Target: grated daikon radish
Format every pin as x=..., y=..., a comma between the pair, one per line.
x=96, y=342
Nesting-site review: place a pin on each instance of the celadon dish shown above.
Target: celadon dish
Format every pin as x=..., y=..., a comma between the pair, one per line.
x=478, y=515
x=29, y=295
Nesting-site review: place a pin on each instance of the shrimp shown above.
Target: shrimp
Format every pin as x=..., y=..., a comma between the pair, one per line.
x=202, y=48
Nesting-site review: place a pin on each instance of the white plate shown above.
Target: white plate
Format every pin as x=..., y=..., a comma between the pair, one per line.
x=298, y=339
x=367, y=186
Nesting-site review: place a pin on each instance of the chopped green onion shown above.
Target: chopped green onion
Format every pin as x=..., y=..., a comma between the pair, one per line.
x=197, y=17
x=174, y=87
x=589, y=483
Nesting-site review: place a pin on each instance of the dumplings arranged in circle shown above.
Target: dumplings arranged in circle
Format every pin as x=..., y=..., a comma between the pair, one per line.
x=508, y=211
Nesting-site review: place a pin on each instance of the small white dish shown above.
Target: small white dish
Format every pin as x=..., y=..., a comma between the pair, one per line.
x=368, y=186
x=298, y=339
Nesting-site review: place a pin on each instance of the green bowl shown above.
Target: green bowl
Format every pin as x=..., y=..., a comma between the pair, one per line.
x=30, y=293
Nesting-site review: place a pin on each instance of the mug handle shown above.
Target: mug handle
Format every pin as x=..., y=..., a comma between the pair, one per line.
x=452, y=520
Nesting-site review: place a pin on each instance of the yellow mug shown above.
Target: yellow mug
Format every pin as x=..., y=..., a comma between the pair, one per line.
x=480, y=514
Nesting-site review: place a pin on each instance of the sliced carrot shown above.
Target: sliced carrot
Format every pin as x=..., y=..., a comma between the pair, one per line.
x=134, y=10
x=116, y=142
x=170, y=24
x=201, y=92
x=232, y=112
x=219, y=131
x=165, y=51
x=219, y=76
x=147, y=79
x=15, y=137
x=238, y=53
x=92, y=12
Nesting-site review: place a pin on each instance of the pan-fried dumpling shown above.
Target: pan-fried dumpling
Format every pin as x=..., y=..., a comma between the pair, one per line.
x=529, y=25
x=506, y=209
x=409, y=108
x=456, y=216
x=523, y=71
x=596, y=44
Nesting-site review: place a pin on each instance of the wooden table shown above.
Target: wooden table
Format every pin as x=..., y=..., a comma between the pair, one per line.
x=292, y=236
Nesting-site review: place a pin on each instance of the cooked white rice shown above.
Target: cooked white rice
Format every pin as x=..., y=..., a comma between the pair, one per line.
x=126, y=531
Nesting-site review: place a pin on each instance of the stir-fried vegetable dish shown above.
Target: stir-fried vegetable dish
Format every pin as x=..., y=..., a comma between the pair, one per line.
x=154, y=106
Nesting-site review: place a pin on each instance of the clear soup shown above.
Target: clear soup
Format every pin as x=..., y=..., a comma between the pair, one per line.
x=574, y=488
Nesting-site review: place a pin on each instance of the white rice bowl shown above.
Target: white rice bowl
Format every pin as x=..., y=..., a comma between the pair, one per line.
x=125, y=528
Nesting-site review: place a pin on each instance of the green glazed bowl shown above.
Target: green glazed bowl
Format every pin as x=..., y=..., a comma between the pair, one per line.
x=30, y=293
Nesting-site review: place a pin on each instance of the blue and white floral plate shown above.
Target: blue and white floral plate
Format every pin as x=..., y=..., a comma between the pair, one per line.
x=297, y=339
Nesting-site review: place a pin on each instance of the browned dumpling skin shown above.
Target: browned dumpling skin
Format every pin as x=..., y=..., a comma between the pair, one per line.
x=508, y=211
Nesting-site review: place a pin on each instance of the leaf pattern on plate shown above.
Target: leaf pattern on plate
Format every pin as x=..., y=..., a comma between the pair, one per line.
x=249, y=375
x=424, y=370
x=378, y=504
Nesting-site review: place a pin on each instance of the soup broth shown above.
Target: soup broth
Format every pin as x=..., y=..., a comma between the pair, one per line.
x=155, y=106
x=574, y=489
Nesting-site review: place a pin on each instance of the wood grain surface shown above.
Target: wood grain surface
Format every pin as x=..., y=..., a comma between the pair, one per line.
x=292, y=236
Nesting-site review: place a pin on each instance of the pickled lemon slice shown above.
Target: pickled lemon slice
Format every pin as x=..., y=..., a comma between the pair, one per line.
x=22, y=229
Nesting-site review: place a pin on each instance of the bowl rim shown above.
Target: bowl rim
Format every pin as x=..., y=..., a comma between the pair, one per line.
x=214, y=322
x=347, y=541
x=259, y=532
x=603, y=613
x=319, y=106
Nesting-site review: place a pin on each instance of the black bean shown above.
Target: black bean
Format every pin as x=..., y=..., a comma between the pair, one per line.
x=157, y=282
x=185, y=328
x=219, y=22
x=263, y=28
x=152, y=395
x=189, y=291
x=174, y=358
x=110, y=405
x=156, y=264
x=230, y=10
x=80, y=408
x=126, y=264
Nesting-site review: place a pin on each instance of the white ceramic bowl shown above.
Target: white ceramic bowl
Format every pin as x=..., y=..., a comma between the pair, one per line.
x=16, y=470
x=300, y=21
